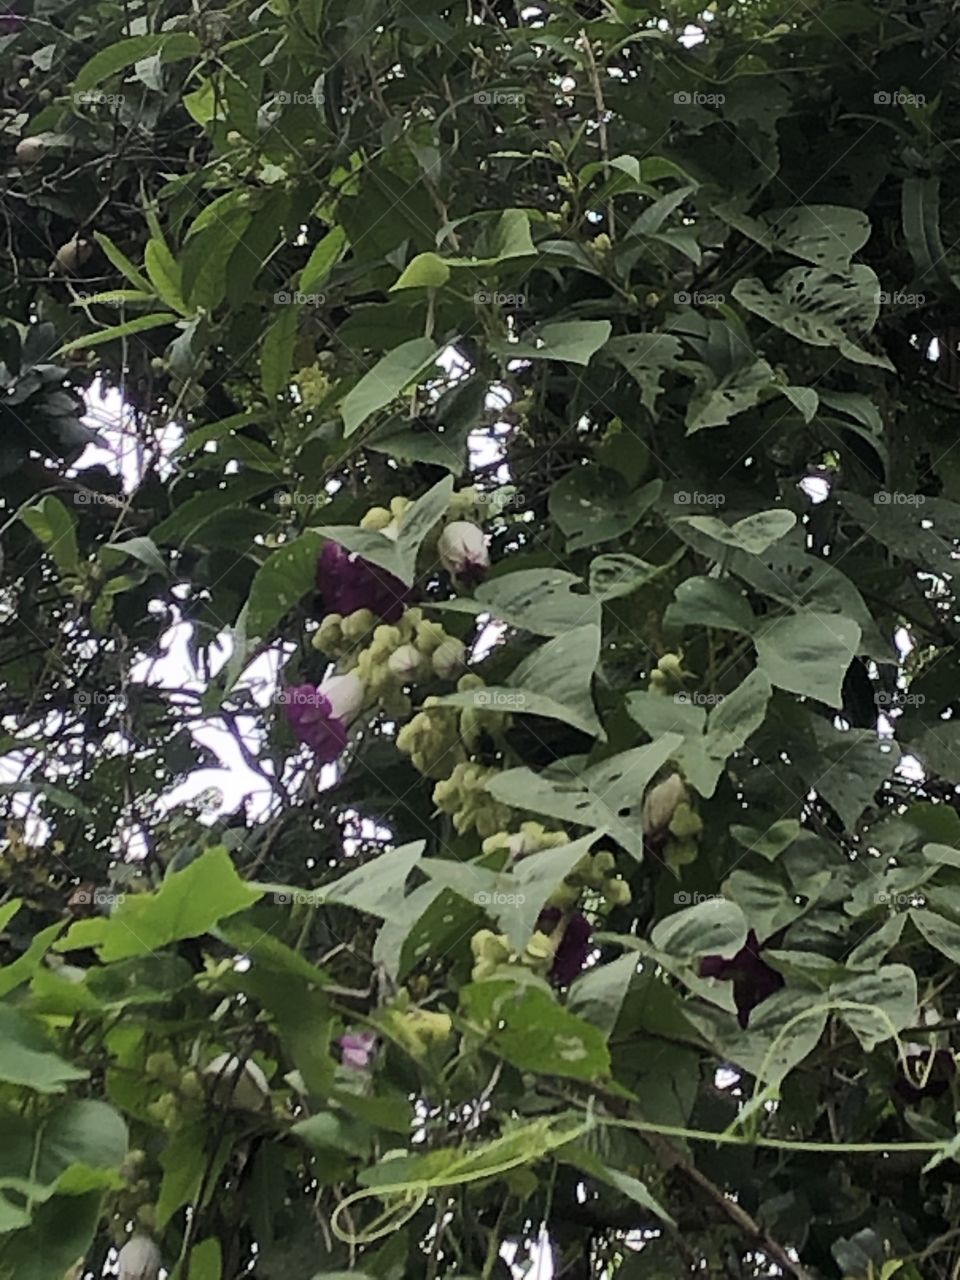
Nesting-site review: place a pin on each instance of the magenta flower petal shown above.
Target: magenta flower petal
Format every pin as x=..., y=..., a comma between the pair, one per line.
x=356, y=1049
x=753, y=980
x=347, y=583
x=573, y=948
x=312, y=719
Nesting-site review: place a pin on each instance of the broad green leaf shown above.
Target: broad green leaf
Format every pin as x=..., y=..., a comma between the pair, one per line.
x=388, y=378
x=118, y=57
x=809, y=654
x=60, y=1232
x=526, y=1027
x=593, y=504
x=707, y=602
x=605, y=797
x=27, y=1057
x=143, y=549
x=426, y=270
x=713, y=927
x=276, y=352
x=716, y=401
x=598, y=994
x=187, y=904
x=646, y=357
x=574, y=341
x=753, y=534
x=205, y=1260
x=769, y=841
x=323, y=258
x=941, y=933
x=890, y=997
x=56, y=528
x=377, y=887
x=280, y=583
x=546, y=601
x=619, y=574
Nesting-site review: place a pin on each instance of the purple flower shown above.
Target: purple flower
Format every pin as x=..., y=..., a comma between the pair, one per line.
x=319, y=715
x=573, y=948
x=346, y=582
x=357, y=1049
x=462, y=549
x=753, y=979
x=935, y=1075
x=10, y=22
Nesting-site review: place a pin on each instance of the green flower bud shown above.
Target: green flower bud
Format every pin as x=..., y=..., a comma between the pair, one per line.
x=686, y=822
x=616, y=892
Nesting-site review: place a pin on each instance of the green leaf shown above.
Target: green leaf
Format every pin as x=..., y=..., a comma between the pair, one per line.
x=619, y=574
x=165, y=275
x=769, y=841
x=707, y=602
x=323, y=258
x=123, y=264
x=205, y=1260
x=713, y=927
x=598, y=994
x=56, y=528
x=820, y=307
x=646, y=357
x=377, y=887
x=606, y=797
x=546, y=601
x=942, y=934
x=890, y=995
x=809, y=654
x=848, y=768
x=425, y=271
x=526, y=1027
x=59, y=1234
x=27, y=1058
x=140, y=324
x=753, y=534
x=592, y=505
x=575, y=341
x=282, y=580
x=187, y=905
x=577, y=1155
x=920, y=209
x=143, y=549
x=388, y=378
x=554, y=681
x=276, y=353
x=118, y=57
x=715, y=401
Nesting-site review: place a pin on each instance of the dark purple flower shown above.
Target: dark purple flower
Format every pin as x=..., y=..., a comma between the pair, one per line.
x=936, y=1075
x=346, y=582
x=573, y=948
x=319, y=715
x=356, y=1049
x=753, y=979
x=10, y=22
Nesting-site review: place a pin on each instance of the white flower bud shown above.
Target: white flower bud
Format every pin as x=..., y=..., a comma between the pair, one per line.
x=238, y=1084
x=462, y=549
x=139, y=1259
x=406, y=662
x=345, y=695
x=449, y=658
x=660, y=803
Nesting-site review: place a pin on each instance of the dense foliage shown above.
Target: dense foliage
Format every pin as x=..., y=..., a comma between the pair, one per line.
x=520, y=440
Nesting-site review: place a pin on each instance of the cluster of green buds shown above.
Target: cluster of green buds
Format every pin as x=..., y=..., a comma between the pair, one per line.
x=388, y=657
x=464, y=796
x=180, y=1087
x=595, y=873
x=671, y=822
x=386, y=520
x=669, y=675
x=313, y=386
x=532, y=837
x=492, y=950
x=416, y=1030
x=133, y=1201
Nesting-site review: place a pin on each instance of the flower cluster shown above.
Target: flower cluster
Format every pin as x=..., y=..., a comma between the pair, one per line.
x=671, y=825
x=464, y=796
x=558, y=947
